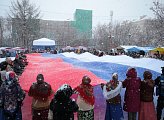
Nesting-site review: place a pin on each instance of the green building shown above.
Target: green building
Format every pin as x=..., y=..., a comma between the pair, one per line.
x=83, y=22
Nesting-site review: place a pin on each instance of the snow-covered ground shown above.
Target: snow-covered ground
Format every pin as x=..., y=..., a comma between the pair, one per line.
x=148, y=63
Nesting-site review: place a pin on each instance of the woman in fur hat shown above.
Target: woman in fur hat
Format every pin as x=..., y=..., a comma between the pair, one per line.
x=85, y=99
x=147, y=109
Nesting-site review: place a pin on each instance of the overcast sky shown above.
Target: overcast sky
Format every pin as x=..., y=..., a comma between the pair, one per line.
x=64, y=9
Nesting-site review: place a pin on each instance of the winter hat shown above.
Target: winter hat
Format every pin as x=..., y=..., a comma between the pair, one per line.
x=131, y=72
x=115, y=76
x=64, y=92
x=40, y=78
x=3, y=65
x=86, y=80
x=147, y=75
x=10, y=77
x=67, y=90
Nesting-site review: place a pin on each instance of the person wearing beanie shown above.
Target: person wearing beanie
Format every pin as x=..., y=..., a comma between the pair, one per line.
x=62, y=106
x=159, y=83
x=132, y=93
x=111, y=92
x=147, y=109
x=85, y=99
x=40, y=91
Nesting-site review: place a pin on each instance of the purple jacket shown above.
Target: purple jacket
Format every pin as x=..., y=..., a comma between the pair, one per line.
x=132, y=93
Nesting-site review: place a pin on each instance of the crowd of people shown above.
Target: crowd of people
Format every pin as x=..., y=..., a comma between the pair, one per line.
x=62, y=106
x=138, y=96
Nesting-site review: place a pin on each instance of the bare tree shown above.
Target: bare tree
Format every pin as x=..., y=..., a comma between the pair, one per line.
x=5, y=32
x=25, y=22
x=147, y=35
x=145, y=32
x=102, y=37
x=141, y=33
x=158, y=10
x=108, y=37
x=123, y=33
x=66, y=36
x=1, y=31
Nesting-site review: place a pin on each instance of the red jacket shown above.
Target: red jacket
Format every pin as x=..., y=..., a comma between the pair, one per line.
x=132, y=93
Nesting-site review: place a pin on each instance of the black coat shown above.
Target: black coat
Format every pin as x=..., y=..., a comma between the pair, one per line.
x=63, y=107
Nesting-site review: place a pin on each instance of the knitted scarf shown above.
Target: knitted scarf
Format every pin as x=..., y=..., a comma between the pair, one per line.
x=86, y=92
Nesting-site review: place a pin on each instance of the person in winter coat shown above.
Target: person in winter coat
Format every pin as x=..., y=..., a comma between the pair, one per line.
x=16, y=66
x=4, y=68
x=85, y=99
x=113, y=104
x=132, y=94
x=40, y=91
x=12, y=97
x=10, y=64
x=62, y=106
x=159, y=82
x=1, y=105
x=147, y=109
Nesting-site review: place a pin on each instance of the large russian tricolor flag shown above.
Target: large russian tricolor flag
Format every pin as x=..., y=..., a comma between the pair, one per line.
x=69, y=68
